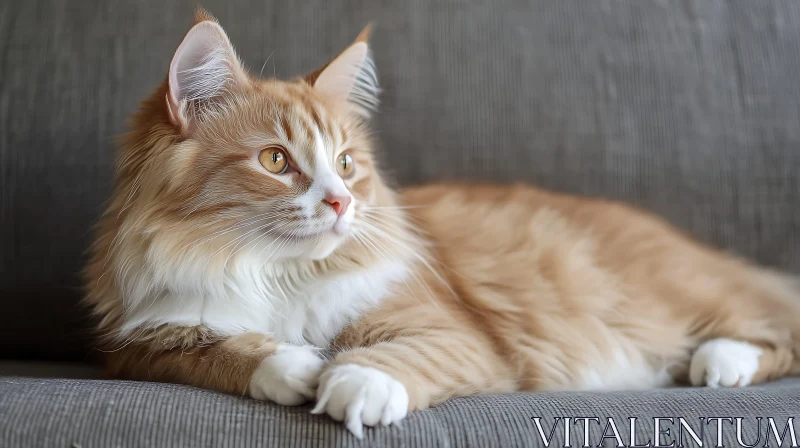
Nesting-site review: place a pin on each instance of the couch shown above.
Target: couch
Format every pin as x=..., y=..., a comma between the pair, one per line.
x=690, y=109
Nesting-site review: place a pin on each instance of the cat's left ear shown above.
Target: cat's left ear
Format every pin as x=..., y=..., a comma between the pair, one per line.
x=351, y=76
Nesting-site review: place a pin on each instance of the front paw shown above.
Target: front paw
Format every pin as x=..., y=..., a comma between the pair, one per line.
x=361, y=396
x=289, y=376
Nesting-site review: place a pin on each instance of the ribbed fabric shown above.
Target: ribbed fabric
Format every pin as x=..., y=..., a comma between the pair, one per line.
x=688, y=108
x=103, y=414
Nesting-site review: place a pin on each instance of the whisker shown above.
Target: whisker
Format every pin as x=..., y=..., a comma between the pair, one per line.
x=268, y=259
x=415, y=276
x=422, y=259
x=265, y=64
x=239, y=238
x=236, y=249
x=235, y=226
x=392, y=207
x=202, y=203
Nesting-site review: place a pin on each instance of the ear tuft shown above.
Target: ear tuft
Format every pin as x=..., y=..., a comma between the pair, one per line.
x=365, y=34
x=201, y=15
x=203, y=68
x=351, y=76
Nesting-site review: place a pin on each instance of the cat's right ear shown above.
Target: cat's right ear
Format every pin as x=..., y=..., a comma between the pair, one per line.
x=204, y=67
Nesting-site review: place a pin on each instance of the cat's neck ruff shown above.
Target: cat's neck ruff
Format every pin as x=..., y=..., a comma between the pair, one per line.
x=297, y=301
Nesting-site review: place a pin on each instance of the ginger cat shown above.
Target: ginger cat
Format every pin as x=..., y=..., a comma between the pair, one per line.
x=250, y=230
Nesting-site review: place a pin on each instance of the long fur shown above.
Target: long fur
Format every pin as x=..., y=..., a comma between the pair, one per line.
x=203, y=268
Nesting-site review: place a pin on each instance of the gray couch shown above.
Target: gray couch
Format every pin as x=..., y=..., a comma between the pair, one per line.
x=690, y=109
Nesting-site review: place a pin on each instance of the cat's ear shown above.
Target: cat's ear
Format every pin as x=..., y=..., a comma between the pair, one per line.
x=203, y=68
x=351, y=76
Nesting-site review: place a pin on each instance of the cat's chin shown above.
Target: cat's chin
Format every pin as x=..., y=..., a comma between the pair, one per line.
x=316, y=246
x=324, y=247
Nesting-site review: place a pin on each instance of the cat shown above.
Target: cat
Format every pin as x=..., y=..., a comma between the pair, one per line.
x=253, y=247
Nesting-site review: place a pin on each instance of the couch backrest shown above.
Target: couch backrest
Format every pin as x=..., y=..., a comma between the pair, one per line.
x=688, y=108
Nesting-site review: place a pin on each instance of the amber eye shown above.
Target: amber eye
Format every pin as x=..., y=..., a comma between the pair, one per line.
x=274, y=160
x=345, y=166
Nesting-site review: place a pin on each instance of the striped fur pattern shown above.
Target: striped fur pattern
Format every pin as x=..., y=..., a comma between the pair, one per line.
x=210, y=270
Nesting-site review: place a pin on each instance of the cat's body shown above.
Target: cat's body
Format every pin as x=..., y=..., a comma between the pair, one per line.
x=218, y=261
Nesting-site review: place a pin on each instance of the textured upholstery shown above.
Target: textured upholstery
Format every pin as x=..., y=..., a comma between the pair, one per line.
x=87, y=414
x=688, y=108
x=43, y=369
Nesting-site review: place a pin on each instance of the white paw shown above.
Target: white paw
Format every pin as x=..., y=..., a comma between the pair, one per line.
x=361, y=396
x=289, y=376
x=724, y=363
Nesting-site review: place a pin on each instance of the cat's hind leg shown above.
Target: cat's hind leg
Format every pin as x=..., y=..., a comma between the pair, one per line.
x=751, y=337
x=724, y=362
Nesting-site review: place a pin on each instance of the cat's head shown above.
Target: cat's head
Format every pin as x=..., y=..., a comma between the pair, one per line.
x=223, y=159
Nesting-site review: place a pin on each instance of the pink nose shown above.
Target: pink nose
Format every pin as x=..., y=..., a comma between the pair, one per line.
x=339, y=203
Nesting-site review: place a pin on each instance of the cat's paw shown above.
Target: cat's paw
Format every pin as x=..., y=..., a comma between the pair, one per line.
x=289, y=376
x=724, y=363
x=361, y=396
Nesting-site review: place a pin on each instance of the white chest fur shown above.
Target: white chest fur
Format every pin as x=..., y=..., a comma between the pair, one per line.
x=288, y=301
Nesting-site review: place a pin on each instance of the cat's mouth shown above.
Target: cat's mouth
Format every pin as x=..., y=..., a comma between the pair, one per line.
x=304, y=236
x=310, y=230
x=336, y=228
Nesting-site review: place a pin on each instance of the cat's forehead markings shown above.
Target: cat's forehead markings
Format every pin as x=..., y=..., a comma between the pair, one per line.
x=323, y=150
x=325, y=177
x=286, y=127
x=302, y=147
x=310, y=135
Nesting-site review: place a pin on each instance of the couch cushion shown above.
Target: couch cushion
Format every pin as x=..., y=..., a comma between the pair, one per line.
x=86, y=413
x=688, y=108
x=50, y=370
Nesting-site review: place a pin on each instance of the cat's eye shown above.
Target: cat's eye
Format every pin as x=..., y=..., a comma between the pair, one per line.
x=274, y=160
x=345, y=166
